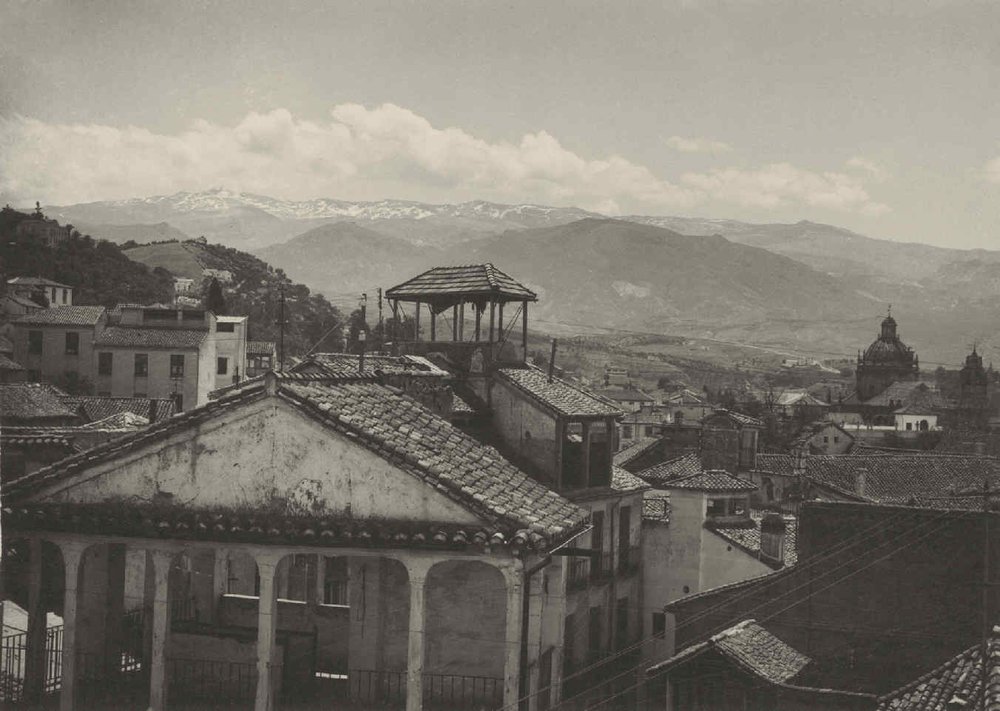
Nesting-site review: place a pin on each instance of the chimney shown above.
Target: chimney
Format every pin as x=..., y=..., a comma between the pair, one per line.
x=860, y=481
x=552, y=360
x=772, y=537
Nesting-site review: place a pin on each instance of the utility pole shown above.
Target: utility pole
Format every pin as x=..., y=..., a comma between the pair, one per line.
x=281, y=329
x=381, y=333
x=987, y=624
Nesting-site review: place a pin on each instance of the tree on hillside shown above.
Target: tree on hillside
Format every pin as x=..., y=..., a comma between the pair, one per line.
x=214, y=301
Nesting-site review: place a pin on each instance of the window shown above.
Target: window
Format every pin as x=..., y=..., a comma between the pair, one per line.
x=35, y=342
x=909, y=426
x=595, y=642
x=626, y=431
x=72, y=343
x=225, y=327
x=716, y=507
x=621, y=623
x=177, y=366
x=826, y=439
x=221, y=366
x=659, y=625
x=104, y=363
x=65, y=296
x=597, y=534
x=141, y=365
x=649, y=430
x=179, y=407
x=836, y=439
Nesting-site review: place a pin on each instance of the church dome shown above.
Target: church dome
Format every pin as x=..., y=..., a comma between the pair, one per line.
x=888, y=348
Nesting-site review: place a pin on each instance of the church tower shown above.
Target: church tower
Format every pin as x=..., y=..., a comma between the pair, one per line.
x=974, y=383
x=886, y=361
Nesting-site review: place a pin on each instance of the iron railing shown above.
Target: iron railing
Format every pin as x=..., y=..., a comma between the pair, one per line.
x=451, y=691
x=14, y=661
x=209, y=679
x=386, y=688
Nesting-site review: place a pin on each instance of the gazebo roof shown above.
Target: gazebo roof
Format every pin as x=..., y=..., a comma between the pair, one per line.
x=474, y=282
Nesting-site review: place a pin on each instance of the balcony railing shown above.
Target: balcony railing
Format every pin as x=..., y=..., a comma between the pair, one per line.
x=601, y=566
x=450, y=691
x=210, y=679
x=385, y=688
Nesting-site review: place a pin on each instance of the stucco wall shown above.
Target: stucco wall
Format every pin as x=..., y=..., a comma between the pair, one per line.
x=53, y=362
x=723, y=563
x=157, y=383
x=524, y=427
x=263, y=453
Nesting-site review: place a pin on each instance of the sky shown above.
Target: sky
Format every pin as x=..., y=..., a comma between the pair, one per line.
x=881, y=117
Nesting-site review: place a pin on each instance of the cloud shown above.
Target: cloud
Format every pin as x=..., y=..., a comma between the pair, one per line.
x=374, y=153
x=697, y=145
x=780, y=184
x=873, y=169
x=992, y=170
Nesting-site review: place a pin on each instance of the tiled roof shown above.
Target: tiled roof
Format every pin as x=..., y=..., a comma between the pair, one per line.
x=37, y=281
x=23, y=301
x=764, y=579
x=346, y=365
x=752, y=648
x=903, y=392
x=63, y=316
x=8, y=364
x=745, y=420
x=748, y=537
x=32, y=401
x=624, y=456
x=95, y=407
x=482, y=280
x=261, y=348
x=34, y=437
x=788, y=399
x=711, y=480
x=656, y=506
x=396, y=428
x=926, y=479
x=775, y=464
x=402, y=430
x=624, y=480
x=259, y=527
x=566, y=399
x=127, y=337
x=957, y=684
x=121, y=421
x=686, y=465
x=685, y=397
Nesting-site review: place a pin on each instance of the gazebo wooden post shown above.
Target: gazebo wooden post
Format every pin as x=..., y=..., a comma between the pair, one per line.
x=524, y=329
x=493, y=313
x=433, y=322
x=416, y=323
x=500, y=324
x=454, y=322
x=461, y=321
x=479, y=317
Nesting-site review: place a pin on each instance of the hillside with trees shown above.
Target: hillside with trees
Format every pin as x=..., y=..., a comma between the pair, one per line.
x=255, y=290
x=99, y=271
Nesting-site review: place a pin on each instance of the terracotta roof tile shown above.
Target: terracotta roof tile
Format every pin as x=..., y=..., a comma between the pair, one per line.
x=476, y=475
x=63, y=316
x=482, y=280
x=624, y=456
x=566, y=399
x=685, y=465
x=128, y=337
x=23, y=402
x=748, y=537
x=926, y=479
x=775, y=464
x=752, y=648
x=624, y=480
x=712, y=480
x=346, y=365
x=95, y=407
x=958, y=681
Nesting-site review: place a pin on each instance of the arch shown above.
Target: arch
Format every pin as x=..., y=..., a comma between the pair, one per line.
x=924, y=426
x=466, y=602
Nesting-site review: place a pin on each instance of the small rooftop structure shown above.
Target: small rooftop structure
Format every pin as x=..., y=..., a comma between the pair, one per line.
x=484, y=288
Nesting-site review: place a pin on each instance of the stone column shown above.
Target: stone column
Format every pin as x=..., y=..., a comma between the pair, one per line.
x=161, y=562
x=34, y=664
x=536, y=600
x=512, y=653
x=220, y=582
x=416, y=571
x=115, y=618
x=72, y=553
x=319, y=589
x=558, y=612
x=267, y=622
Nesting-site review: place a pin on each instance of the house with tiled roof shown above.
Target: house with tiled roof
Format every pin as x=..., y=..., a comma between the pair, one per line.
x=154, y=352
x=868, y=579
x=746, y=666
x=55, y=293
x=410, y=551
x=53, y=342
x=559, y=432
x=93, y=408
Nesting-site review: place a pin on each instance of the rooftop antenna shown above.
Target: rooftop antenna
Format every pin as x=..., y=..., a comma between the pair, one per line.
x=281, y=329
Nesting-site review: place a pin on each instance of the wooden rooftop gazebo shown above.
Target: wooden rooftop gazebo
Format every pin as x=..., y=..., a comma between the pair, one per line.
x=481, y=286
